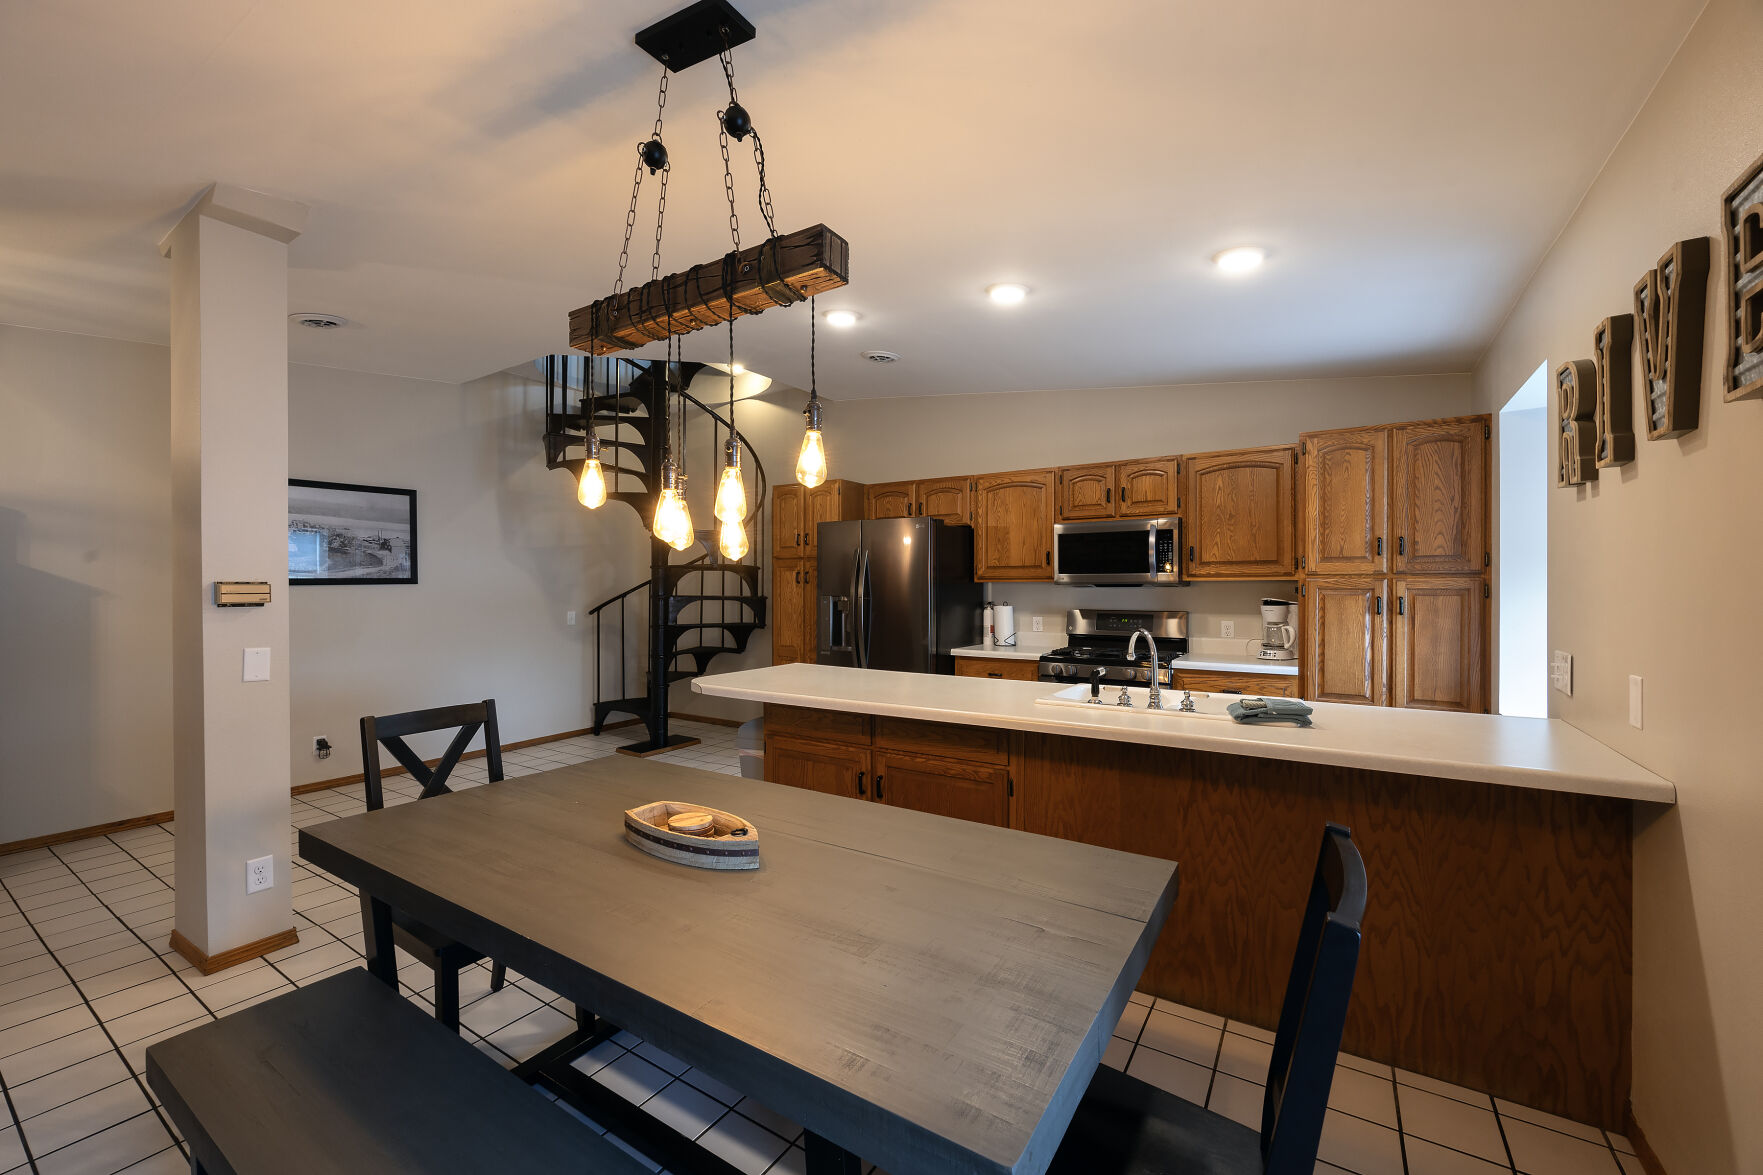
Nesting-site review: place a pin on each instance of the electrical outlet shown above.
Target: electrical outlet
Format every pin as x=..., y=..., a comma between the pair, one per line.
x=1561, y=672
x=569, y=617
x=1227, y=628
x=259, y=874
x=321, y=747
x=1037, y=624
x=1634, y=701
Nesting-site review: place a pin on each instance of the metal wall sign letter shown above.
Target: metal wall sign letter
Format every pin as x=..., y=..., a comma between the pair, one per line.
x=1574, y=384
x=1670, y=304
x=1612, y=357
x=1741, y=213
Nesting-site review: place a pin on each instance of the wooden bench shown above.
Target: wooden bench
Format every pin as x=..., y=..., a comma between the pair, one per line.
x=347, y=1076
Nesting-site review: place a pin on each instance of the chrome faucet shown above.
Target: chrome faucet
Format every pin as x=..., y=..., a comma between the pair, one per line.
x=1155, y=701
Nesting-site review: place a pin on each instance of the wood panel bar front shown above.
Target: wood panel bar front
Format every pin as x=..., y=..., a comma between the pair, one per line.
x=1498, y=935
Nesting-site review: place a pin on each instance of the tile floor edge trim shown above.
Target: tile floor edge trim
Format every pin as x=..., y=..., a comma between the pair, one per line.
x=1637, y=1137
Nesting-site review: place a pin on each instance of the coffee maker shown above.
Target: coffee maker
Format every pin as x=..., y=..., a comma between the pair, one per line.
x=1278, y=637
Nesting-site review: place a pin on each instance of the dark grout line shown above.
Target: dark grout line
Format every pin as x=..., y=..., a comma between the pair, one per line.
x=102, y=1027
x=17, y=1124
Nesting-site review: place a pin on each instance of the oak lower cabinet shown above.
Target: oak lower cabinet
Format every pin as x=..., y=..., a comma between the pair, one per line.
x=1241, y=514
x=1013, y=525
x=1264, y=685
x=1344, y=629
x=837, y=769
x=1007, y=668
x=947, y=787
x=792, y=621
x=894, y=499
x=943, y=768
x=1440, y=656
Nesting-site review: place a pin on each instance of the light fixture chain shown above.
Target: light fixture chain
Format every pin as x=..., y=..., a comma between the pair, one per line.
x=764, y=188
x=728, y=185
x=630, y=224
x=660, y=216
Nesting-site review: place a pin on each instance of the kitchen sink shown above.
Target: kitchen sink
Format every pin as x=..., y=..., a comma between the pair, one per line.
x=1205, y=705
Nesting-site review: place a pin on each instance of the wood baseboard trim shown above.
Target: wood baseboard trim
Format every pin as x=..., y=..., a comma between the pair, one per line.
x=59, y=838
x=209, y=964
x=1643, y=1150
x=301, y=789
x=706, y=718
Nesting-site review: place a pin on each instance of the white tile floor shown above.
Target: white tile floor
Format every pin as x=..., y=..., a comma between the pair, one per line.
x=88, y=981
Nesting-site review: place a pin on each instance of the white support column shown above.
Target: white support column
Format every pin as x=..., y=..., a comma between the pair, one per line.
x=229, y=449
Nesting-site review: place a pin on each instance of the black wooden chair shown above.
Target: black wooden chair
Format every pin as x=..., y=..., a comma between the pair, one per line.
x=441, y=954
x=1124, y=1126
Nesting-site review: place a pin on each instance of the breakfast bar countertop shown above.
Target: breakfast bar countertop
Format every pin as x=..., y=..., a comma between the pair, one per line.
x=1542, y=753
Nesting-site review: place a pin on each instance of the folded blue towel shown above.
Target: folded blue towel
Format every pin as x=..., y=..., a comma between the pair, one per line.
x=1265, y=711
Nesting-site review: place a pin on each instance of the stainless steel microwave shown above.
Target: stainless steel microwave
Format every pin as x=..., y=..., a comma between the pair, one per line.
x=1117, y=551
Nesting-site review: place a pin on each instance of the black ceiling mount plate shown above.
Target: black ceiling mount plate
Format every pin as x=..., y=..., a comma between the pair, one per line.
x=695, y=33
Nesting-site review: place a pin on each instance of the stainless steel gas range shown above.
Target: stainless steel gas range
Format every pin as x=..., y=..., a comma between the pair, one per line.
x=1098, y=638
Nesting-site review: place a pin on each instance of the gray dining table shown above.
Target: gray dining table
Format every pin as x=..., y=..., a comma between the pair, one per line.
x=922, y=993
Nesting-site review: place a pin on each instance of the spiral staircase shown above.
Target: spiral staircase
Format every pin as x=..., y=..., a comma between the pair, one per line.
x=696, y=605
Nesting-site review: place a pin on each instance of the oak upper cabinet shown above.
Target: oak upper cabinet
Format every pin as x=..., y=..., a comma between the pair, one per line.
x=1440, y=657
x=945, y=787
x=894, y=499
x=834, y=768
x=1346, y=501
x=1149, y=488
x=1439, y=496
x=1013, y=525
x=789, y=521
x=1241, y=511
x=830, y=501
x=1086, y=491
x=1343, y=626
x=792, y=611
x=947, y=499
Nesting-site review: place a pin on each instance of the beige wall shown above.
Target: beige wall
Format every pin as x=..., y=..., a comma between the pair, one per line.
x=1652, y=571
x=85, y=581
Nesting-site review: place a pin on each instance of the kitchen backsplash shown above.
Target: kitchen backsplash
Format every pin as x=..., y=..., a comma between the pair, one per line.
x=1209, y=606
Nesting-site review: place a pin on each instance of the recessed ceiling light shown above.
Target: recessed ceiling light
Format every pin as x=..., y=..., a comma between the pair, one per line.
x=841, y=318
x=1241, y=259
x=1007, y=293
x=319, y=321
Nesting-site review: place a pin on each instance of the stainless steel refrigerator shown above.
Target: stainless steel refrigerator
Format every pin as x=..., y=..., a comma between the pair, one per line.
x=896, y=593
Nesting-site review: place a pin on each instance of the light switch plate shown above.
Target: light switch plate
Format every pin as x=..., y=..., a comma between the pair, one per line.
x=259, y=874
x=1561, y=672
x=1634, y=700
x=569, y=617
x=256, y=665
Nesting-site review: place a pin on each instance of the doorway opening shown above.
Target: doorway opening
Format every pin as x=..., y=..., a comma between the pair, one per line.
x=1524, y=549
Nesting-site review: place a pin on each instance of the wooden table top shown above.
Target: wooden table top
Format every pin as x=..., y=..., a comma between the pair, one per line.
x=928, y=993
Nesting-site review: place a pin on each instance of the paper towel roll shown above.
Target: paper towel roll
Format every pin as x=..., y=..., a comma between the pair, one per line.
x=1004, y=622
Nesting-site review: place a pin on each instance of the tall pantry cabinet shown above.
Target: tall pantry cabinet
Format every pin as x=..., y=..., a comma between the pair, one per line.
x=1393, y=565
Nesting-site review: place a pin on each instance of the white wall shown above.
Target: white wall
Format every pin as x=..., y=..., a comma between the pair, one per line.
x=85, y=581
x=1648, y=568
x=1523, y=663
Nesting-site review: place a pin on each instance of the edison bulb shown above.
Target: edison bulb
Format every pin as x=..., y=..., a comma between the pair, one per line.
x=591, y=490
x=673, y=521
x=811, y=462
x=732, y=538
x=731, y=495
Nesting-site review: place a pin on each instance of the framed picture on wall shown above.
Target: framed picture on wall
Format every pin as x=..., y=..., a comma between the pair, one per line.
x=342, y=533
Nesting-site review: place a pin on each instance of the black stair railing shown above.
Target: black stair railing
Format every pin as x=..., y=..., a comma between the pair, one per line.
x=633, y=421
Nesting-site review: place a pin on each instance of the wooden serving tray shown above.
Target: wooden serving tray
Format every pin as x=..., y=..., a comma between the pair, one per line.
x=718, y=848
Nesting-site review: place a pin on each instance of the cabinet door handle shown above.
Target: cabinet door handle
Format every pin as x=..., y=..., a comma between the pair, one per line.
x=1401, y=544
x=1049, y=558
x=1107, y=497
x=1380, y=605
x=990, y=673
x=878, y=791
x=798, y=538
x=1401, y=605
x=1380, y=544
x=1190, y=554
x=860, y=775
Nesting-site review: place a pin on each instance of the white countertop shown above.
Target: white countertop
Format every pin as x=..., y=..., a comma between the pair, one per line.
x=1203, y=661
x=1542, y=753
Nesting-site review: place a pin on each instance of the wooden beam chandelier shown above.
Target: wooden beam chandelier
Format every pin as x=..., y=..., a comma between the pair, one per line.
x=779, y=271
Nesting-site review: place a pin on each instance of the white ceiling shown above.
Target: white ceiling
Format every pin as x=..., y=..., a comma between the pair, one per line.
x=1404, y=163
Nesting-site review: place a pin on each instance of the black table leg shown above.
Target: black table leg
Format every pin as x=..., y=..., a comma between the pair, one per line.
x=376, y=926
x=826, y=1159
